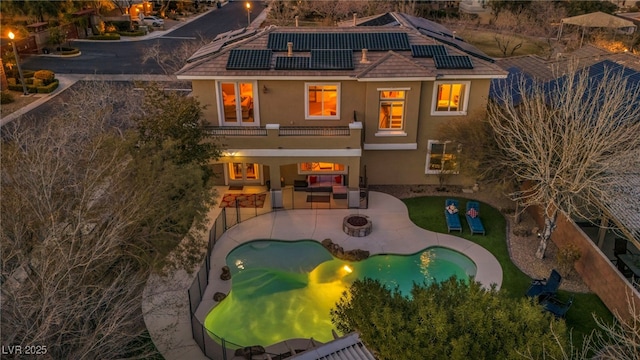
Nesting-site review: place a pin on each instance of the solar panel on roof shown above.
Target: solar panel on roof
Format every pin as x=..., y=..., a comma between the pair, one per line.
x=244, y=59
x=427, y=51
x=453, y=62
x=353, y=41
x=292, y=63
x=334, y=59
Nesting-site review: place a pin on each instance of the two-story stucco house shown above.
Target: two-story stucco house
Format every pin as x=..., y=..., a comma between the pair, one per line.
x=361, y=103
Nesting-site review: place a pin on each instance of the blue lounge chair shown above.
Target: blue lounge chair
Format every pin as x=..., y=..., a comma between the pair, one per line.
x=453, y=220
x=543, y=288
x=475, y=224
x=556, y=307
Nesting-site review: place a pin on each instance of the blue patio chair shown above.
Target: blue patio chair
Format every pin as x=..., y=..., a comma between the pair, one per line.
x=473, y=218
x=453, y=219
x=543, y=288
x=556, y=307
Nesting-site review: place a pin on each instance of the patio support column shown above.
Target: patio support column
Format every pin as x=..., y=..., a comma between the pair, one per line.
x=276, y=188
x=602, y=231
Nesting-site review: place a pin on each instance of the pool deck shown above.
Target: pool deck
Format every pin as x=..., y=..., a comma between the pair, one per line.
x=393, y=232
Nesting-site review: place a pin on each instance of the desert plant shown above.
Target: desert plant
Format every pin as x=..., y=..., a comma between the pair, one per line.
x=566, y=257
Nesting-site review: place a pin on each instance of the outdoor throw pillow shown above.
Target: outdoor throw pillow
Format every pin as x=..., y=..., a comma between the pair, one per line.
x=452, y=209
x=473, y=213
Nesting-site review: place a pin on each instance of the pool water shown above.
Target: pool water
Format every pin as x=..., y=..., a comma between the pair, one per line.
x=282, y=290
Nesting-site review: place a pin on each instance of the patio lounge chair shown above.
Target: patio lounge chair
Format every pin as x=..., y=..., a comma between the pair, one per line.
x=543, y=288
x=556, y=307
x=473, y=218
x=451, y=215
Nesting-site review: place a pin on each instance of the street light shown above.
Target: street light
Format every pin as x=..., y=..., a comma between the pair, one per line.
x=15, y=53
x=248, y=5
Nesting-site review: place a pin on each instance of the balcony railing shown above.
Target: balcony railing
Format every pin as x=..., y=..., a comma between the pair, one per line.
x=235, y=131
x=314, y=131
x=282, y=131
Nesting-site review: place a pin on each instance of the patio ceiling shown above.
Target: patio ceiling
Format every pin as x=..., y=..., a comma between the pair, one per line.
x=624, y=207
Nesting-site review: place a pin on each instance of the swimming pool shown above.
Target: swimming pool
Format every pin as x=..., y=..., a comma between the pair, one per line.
x=285, y=289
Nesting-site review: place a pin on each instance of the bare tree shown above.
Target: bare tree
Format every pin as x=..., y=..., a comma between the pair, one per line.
x=88, y=211
x=568, y=141
x=618, y=340
x=170, y=61
x=506, y=25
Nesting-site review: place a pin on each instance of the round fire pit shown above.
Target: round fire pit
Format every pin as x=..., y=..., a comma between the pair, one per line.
x=356, y=225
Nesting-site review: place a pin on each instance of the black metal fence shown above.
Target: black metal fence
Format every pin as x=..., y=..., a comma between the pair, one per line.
x=242, y=209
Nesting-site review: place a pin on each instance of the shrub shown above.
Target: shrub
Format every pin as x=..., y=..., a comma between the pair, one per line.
x=122, y=25
x=46, y=76
x=69, y=51
x=110, y=36
x=567, y=256
x=6, y=97
x=132, y=33
x=48, y=88
x=27, y=74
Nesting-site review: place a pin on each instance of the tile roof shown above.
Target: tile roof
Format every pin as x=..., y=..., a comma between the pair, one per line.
x=588, y=55
x=211, y=60
x=625, y=203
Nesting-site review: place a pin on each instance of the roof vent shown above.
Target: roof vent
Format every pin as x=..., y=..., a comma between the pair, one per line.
x=289, y=49
x=364, y=59
x=354, y=19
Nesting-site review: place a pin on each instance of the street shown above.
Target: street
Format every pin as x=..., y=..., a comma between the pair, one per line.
x=124, y=57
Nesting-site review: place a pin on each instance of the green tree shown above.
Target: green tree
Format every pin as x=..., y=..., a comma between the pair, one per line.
x=169, y=120
x=448, y=320
x=56, y=37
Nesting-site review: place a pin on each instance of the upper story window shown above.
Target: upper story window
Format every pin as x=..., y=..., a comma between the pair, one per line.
x=322, y=101
x=237, y=99
x=391, y=110
x=450, y=98
x=442, y=157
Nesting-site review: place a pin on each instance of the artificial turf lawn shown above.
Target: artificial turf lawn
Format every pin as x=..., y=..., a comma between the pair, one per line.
x=428, y=213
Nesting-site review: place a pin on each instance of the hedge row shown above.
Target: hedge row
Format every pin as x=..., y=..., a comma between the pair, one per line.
x=33, y=89
x=132, y=33
x=70, y=51
x=109, y=36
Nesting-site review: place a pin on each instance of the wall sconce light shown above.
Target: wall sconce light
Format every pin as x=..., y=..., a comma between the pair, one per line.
x=265, y=90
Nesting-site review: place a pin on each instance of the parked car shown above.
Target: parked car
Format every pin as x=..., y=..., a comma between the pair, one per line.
x=152, y=21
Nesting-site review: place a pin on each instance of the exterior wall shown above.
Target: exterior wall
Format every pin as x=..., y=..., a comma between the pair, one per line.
x=205, y=92
x=593, y=266
x=384, y=167
x=372, y=111
x=284, y=102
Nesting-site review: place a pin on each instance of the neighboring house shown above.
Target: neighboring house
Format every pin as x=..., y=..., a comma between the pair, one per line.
x=624, y=212
x=361, y=102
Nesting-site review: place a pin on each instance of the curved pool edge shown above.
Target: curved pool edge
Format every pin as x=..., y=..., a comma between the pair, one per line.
x=393, y=232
